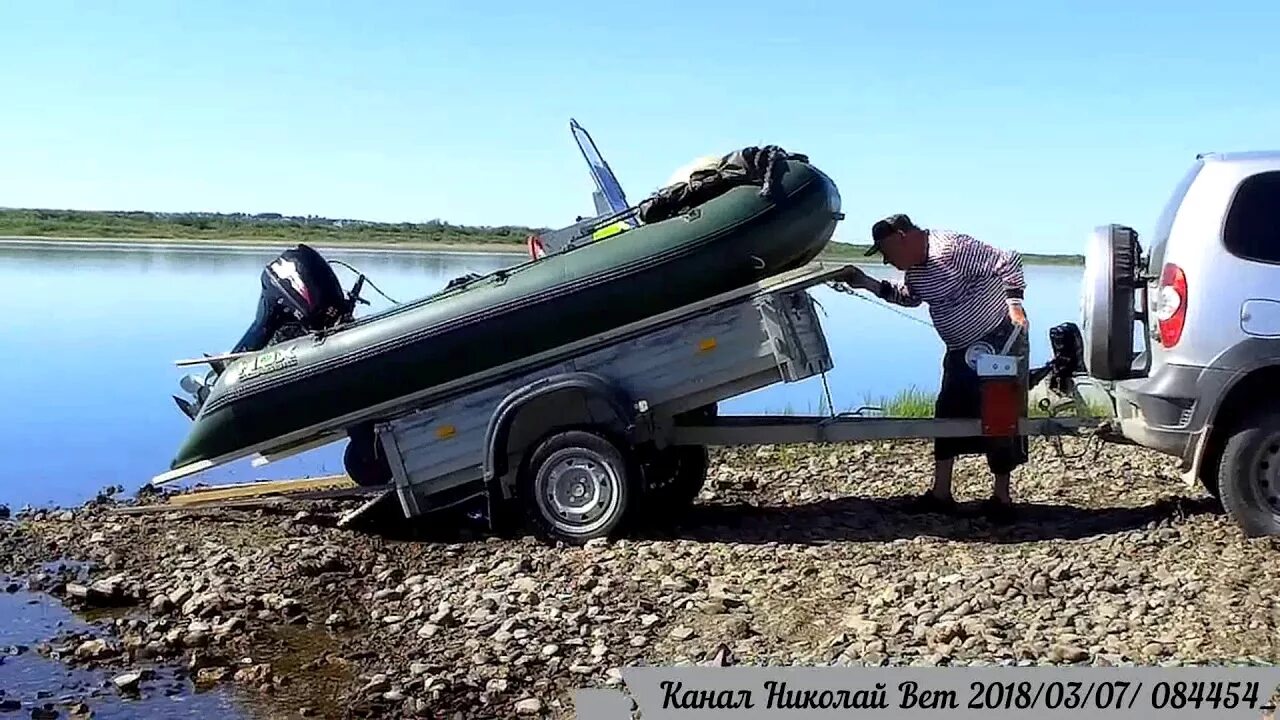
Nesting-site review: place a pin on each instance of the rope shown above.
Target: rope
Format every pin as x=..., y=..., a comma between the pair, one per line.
x=367, y=280
x=842, y=288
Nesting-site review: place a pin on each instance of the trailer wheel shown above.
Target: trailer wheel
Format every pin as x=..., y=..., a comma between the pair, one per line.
x=676, y=475
x=577, y=486
x=364, y=460
x=1249, y=475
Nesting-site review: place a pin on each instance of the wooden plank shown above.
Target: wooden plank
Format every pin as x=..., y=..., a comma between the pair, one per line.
x=262, y=489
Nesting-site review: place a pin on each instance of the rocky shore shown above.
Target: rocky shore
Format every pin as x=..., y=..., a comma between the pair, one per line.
x=793, y=555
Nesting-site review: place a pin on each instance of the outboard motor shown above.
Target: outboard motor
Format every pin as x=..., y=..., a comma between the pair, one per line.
x=1068, y=359
x=300, y=294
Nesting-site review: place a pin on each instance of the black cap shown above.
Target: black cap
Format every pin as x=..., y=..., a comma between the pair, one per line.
x=886, y=227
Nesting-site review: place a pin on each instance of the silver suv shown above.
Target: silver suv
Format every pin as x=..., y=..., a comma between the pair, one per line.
x=1205, y=299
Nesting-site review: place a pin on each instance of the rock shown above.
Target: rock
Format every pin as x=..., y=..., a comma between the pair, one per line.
x=44, y=712
x=737, y=628
x=394, y=696
x=127, y=682
x=677, y=584
x=10, y=705
x=95, y=649
x=550, y=650
x=377, y=685
x=1068, y=653
x=256, y=675
x=529, y=706
x=180, y=596
x=682, y=633
x=861, y=626
x=104, y=593
x=211, y=675
x=12, y=588
x=525, y=585
x=649, y=620
x=336, y=620
x=428, y=631
x=714, y=606
x=161, y=605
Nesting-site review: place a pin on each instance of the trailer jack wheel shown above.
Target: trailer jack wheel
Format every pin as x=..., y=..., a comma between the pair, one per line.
x=577, y=486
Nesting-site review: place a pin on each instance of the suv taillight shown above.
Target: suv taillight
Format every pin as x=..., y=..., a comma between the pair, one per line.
x=1171, y=304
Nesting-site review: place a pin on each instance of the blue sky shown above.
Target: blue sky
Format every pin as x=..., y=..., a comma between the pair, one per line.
x=1024, y=123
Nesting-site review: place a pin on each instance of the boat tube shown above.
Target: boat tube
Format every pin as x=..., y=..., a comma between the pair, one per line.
x=761, y=213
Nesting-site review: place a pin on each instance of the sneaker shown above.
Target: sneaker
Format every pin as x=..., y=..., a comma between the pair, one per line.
x=930, y=503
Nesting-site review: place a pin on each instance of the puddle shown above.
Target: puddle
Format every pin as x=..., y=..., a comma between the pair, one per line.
x=29, y=681
x=305, y=656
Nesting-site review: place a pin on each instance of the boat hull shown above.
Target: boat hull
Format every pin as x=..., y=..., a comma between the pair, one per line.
x=728, y=242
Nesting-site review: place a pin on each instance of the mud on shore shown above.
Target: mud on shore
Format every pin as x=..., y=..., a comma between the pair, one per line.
x=793, y=555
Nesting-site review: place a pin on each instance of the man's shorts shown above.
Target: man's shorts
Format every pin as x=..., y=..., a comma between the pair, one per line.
x=961, y=397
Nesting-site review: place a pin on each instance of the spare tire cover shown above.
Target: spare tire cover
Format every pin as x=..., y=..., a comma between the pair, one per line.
x=1106, y=302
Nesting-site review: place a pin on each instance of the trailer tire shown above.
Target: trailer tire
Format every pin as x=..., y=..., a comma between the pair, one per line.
x=577, y=486
x=1249, y=475
x=363, y=460
x=675, y=477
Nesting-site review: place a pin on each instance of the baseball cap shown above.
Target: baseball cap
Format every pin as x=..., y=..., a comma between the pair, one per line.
x=886, y=227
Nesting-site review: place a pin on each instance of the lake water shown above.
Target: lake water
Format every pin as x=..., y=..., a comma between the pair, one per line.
x=90, y=336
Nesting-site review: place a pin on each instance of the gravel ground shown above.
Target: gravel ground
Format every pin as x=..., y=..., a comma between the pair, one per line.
x=793, y=555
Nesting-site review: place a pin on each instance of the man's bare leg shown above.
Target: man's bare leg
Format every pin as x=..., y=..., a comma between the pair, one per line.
x=942, y=471
x=1001, y=490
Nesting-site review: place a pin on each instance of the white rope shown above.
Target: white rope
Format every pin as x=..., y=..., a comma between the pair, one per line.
x=842, y=288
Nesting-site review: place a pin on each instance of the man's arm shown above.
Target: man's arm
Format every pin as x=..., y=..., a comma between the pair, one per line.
x=896, y=294
x=975, y=258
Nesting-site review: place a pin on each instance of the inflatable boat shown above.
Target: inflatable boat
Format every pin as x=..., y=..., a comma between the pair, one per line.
x=751, y=218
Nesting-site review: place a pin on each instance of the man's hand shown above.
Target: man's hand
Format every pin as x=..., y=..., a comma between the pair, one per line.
x=854, y=277
x=1018, y=315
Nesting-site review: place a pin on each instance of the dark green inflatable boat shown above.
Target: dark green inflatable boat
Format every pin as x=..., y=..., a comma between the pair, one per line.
x=755, y=217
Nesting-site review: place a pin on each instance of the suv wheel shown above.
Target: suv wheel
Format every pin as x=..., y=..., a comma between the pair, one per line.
x=1249, y=475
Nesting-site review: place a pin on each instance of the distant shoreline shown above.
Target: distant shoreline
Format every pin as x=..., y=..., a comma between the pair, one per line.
x=835, y=251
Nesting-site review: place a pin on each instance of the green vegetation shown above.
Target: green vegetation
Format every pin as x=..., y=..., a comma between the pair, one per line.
x=916, y=403
x=265, y=227
x=274, y=228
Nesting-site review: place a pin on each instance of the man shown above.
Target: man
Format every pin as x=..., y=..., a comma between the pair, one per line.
x=974, y=293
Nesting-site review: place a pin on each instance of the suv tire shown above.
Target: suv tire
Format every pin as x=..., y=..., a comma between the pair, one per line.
x=1249, y=475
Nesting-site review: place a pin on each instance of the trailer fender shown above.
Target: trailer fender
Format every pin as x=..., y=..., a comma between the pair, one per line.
x=619, y=413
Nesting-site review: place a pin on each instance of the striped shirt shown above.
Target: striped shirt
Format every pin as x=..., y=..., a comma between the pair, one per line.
x=966, y=284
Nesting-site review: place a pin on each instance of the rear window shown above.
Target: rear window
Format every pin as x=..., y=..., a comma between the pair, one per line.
x=1164, y=223
x=1252, y=231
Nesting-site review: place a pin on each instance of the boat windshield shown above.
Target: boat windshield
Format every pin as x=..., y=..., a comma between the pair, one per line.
x=606, y=181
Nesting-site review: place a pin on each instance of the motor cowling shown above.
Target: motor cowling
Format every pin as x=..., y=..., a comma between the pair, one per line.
x=300, y=294
x=1107, y=311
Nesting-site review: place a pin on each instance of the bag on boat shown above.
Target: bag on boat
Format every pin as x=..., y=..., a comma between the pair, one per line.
x=763, y=166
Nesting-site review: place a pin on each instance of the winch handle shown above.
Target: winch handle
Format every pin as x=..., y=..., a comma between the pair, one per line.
x=1008, y=344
